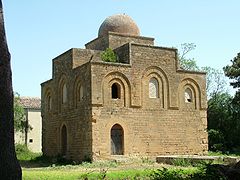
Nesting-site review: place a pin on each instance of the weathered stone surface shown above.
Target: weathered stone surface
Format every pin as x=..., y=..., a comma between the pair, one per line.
x=120, y=23
x=163, y=125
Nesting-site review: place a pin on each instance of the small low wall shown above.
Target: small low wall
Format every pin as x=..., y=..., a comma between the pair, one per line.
x=195, y=159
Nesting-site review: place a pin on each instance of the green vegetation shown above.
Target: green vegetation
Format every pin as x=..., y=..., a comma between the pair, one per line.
x=19, y=115
x=223, y=123
x=24, y=154
x=233, y=72
x=224, y=140
x=219, y=153
x=187, y=63
x=223, y=113
x=171, y=173
x=98, y=164
x=176, y=173
x=215, y=79
x=109, y=55
x=74, y=174
x=40, y=167
x=182, y=162
x=206, y=172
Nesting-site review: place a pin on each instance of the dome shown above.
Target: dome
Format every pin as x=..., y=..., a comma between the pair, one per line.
x=120, y=23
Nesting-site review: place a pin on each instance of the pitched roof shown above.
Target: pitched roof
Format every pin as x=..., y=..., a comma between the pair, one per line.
x=31, y=102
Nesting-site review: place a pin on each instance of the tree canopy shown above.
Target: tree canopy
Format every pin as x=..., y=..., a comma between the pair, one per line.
x=189, y=64
x=224, y=114
x=215, y=79
x=233, y=72
x=223, y=123
x=19, y=115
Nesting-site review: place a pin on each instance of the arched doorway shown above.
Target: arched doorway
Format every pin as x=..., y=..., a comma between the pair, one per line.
x=117, y=140
x=64, y=140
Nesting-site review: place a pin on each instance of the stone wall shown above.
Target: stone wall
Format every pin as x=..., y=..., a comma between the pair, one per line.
x=114, y=40
x=123, y=53
x=34, y=137
x=74, y=114
x=166, y=124
x=150, y=132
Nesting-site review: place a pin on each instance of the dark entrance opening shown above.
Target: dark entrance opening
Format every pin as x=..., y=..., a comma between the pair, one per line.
x=64, y=140
x=116, y=94
x=117, y=140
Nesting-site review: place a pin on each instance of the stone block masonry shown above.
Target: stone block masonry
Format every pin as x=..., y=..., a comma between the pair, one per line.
x=143, y=105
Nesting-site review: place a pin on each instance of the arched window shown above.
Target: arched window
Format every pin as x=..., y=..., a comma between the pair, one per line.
x=153, y=88
x=117, y=140
x=64, y=140
x=49, y=103
x=64, y=93
x=116, y=91
x=80, y=92
x=188, y=95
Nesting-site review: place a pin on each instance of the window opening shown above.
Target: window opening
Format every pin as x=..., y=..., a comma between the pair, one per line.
x=153, y=88
x=64, y=93
x=116, y=91
x=188, y=95
x=80, y=91
x=49, y=103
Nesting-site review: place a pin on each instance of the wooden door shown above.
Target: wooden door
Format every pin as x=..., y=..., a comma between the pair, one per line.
x=117, y=137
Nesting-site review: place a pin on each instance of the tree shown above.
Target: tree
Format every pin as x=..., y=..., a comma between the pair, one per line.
x=19, y=115
x=20, y=121
x=233, y=72
x=189, y=64
x=223, y=122
x=9, y=166
x=215, y=80
x=218, y=115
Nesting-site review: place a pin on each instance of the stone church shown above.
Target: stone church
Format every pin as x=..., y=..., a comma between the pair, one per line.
x=142, y=105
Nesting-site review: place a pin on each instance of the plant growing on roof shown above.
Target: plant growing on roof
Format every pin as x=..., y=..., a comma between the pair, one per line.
x=109, y=55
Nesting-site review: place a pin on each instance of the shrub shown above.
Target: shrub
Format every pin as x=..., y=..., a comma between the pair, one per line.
x=216, y=139
x=147, y=160
x=182, y=162
x=209, y=172
x=109, y=55
x=170, y=174
x=24, y=154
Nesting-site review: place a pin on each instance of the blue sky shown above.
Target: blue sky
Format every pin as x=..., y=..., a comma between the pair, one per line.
x=38, y=31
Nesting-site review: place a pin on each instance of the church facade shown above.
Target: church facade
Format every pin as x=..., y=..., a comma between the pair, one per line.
x=142, y=105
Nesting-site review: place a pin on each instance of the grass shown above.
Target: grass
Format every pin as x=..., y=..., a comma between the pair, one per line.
x=98, y=164
x=182, y=162
x=48, y=175
x=42, y=168
x=121, y=171
x=72, y=174
x=163, y=173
